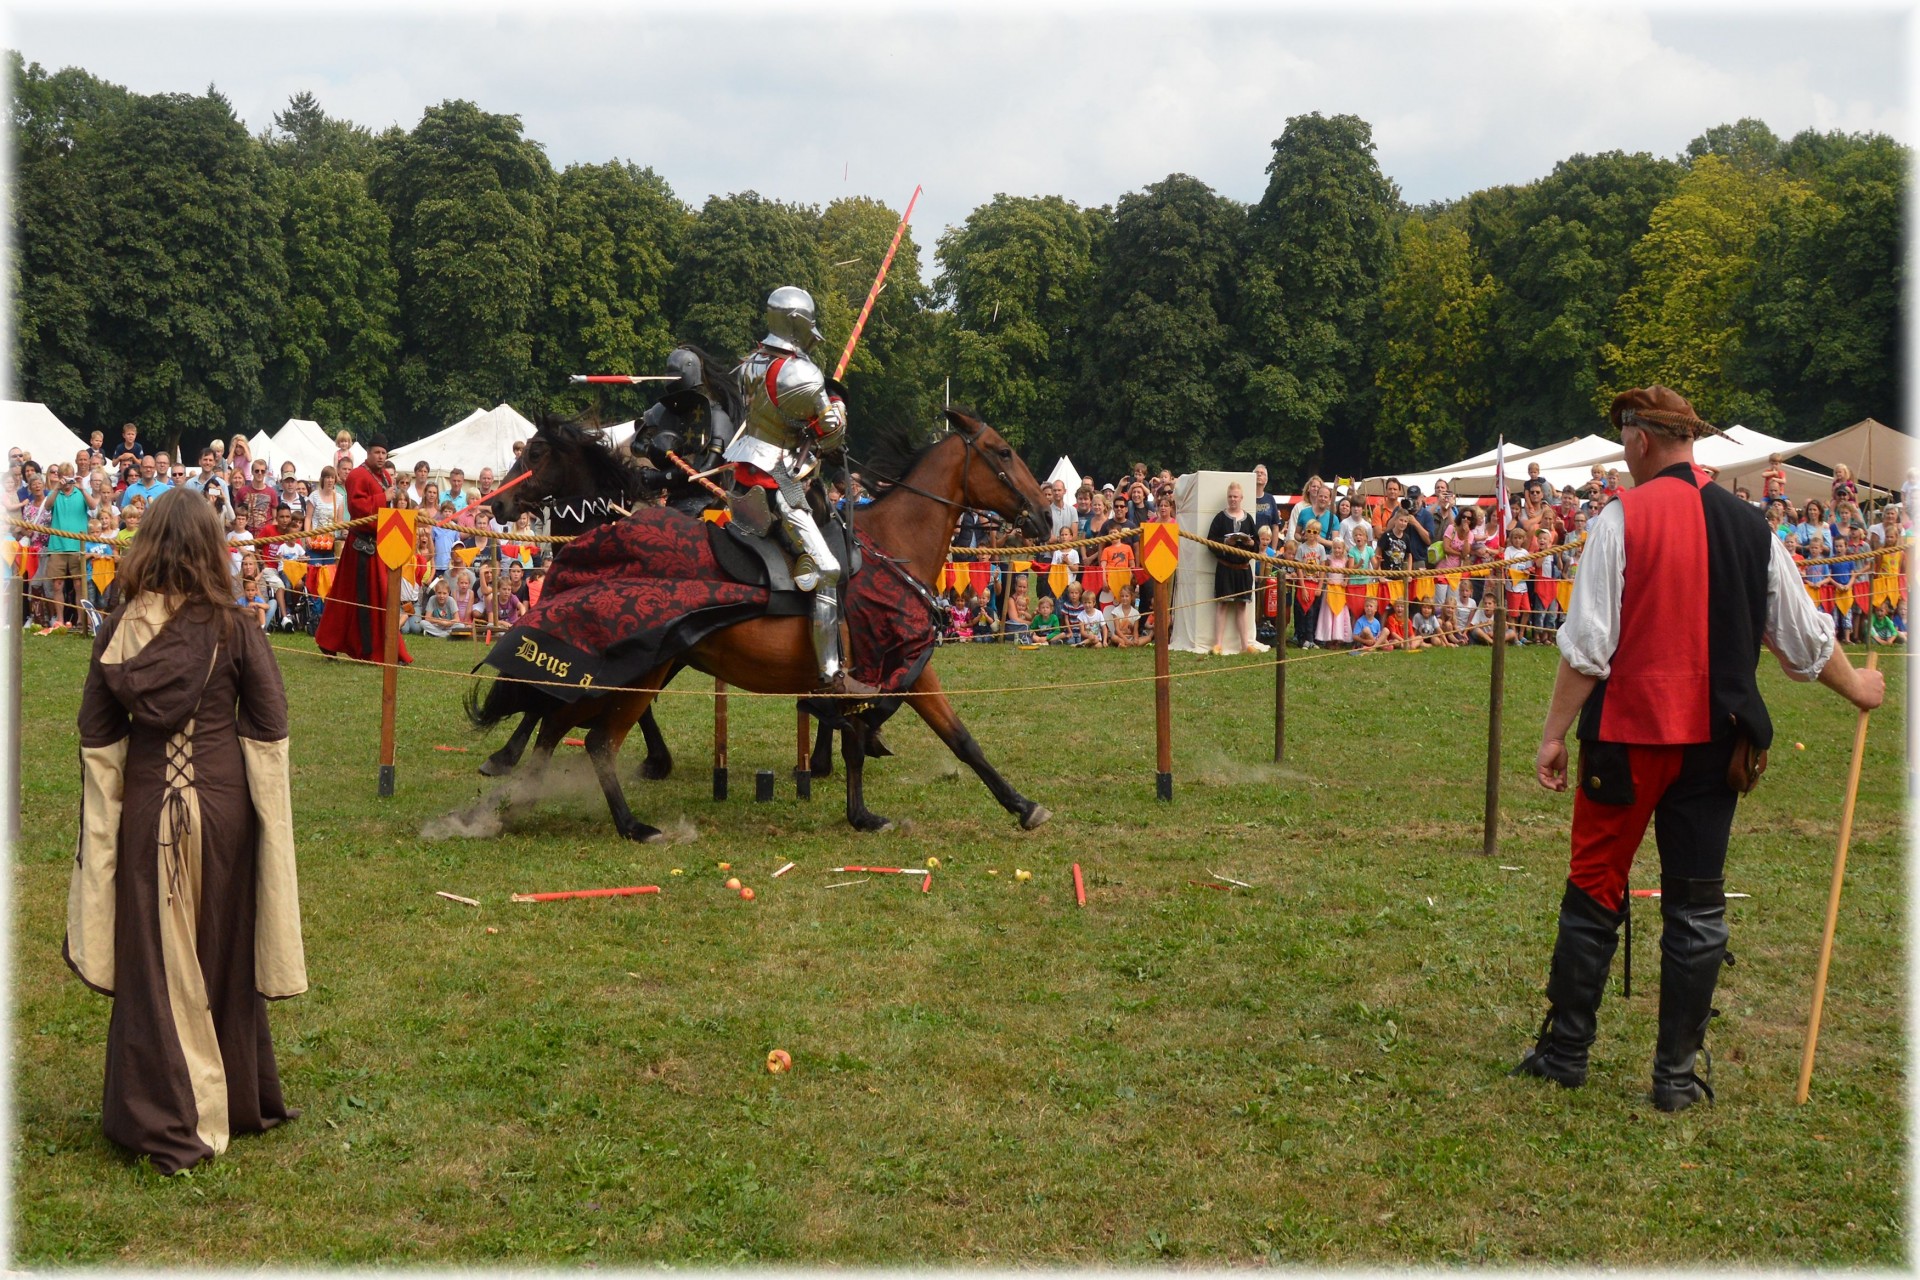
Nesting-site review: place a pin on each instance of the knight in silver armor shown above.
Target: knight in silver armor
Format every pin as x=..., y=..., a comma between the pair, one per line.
x=792, y=421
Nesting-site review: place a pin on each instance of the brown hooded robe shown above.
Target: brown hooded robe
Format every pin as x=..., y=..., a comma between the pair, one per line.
x=184, y=906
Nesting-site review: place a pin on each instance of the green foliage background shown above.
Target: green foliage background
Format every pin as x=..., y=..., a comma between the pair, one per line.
x=171, y=270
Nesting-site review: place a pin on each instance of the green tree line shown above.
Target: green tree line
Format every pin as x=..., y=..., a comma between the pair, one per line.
x=170, y=269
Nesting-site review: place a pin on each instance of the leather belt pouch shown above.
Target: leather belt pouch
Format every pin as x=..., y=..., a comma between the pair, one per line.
x=1746, y=766
x=1606, y=774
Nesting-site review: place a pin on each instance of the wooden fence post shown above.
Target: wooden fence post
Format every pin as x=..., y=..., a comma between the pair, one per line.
x=1281, y=624
x=803, y=756
x=1490, y=842
x=719, y=739
x=1163, y=688
x=389, y=678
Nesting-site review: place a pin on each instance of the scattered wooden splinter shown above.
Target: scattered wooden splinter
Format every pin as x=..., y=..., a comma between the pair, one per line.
x=1656, y=893
x=586, y=893
x=782, y=871
x=454, y=897
x=844, y=883
x=1229, y=879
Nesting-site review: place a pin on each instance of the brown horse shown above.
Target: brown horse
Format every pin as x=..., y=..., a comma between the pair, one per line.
x=913, y=521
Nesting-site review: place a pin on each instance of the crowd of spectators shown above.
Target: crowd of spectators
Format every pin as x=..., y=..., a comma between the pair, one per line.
x=283, y=532
x=464, y=583
x=1324, y=552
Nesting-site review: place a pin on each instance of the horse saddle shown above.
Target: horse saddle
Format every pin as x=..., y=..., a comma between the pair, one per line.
x=748, y=546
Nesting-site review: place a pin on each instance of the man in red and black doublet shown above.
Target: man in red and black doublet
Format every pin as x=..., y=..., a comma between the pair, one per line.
x=1680, y=583
x=354, y=621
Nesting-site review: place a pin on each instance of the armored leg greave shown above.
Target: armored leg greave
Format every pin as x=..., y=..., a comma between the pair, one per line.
x=815, y=565
x=1693, y=943
x=1582, y=955
x=815, y=570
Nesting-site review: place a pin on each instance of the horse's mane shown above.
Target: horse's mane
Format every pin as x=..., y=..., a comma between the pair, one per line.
x=583, y=433
x=895, y=448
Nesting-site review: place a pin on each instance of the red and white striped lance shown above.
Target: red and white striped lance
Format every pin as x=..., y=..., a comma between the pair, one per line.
x=874, y=293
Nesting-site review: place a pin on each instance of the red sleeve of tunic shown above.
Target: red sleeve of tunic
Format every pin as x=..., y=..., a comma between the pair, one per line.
x=365, y=494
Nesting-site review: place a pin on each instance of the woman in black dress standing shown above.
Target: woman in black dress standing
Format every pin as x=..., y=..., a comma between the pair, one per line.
x=1232, y=575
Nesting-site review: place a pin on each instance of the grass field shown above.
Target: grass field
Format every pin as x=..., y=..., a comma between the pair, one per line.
x=1312, y=1071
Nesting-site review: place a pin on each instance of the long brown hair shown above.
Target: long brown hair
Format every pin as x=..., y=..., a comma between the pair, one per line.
x=181, y=553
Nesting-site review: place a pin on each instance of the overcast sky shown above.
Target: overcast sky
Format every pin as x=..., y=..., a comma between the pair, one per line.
x=812, y=102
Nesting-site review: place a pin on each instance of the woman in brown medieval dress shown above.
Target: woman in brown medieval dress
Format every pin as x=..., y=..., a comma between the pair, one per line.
x=184, y=905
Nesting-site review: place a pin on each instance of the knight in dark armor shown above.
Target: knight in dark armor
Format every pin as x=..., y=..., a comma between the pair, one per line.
x=793, y=421
x=694, y=419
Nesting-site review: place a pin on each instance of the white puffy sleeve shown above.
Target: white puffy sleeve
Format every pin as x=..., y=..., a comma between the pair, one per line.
x=1800, y=636
x=1591, y=631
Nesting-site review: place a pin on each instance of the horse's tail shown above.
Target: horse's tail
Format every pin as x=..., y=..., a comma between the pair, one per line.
x=505, y=699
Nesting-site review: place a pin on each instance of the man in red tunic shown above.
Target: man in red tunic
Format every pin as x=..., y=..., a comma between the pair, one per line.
x=1680, y=583
x=355, y=619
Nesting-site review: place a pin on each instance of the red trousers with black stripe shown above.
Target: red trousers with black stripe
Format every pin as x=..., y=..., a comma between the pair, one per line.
x=1683, y=791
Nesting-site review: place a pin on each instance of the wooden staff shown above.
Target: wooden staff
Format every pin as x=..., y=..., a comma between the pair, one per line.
x=1833, y=898
x=719, y=739
x=1490, y=842
x=803, y=756
x=1280, y=626
x=389, y=678
x=1163, y=688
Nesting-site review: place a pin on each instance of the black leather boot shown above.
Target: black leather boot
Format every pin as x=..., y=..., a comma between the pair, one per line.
x=1582, y=955
x=1693, y=943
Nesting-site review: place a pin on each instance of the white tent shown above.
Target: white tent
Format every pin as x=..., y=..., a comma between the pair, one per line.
x=307, y=445
x=1877, y=454
x=1065, y=471
x=260, y=449
x=31, y=426
x=1569, y=462
x=484, y=438
x=1197, y=498
x=1376, y=486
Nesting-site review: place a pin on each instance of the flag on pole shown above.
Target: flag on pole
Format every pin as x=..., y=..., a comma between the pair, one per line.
x=1498, y=541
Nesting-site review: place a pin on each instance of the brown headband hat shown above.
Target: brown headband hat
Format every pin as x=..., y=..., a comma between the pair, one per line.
x=1661, y=410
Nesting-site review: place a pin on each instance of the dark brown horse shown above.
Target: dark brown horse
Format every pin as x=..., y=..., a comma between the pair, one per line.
x=582, y=483
x=570, y=471
x=913, y=521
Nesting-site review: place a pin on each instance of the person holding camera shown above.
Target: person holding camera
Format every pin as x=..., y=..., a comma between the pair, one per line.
x=1233, y=575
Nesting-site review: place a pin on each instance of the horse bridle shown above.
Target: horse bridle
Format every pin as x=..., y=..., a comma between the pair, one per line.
x=972, y=446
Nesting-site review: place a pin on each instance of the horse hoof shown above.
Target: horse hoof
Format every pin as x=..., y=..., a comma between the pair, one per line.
x=656, y=770
x=492, y=768
x=872, y=823
x=1034, y=817
x=643, y=834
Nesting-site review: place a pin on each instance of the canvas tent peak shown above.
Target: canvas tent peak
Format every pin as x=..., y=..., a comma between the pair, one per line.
x=31, y=426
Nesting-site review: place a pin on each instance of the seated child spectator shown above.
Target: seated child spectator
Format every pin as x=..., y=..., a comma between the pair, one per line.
x=438, y=618
x=1083, y=619
x=1123, y=620
x=1367, y=630
x=1426, y=628
x=254, y=595
x=1046, y=623
x=506, y=606
x=1019, y=611
x=960, y=617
